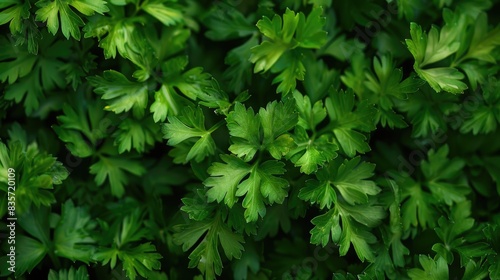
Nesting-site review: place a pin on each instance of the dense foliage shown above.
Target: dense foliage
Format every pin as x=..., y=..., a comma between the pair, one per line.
x=259, y=139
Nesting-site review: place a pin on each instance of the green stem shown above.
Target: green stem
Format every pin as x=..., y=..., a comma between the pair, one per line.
x=216, y=126
x=54, y=258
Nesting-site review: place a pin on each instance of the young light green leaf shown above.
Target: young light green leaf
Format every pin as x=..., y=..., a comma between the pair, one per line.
x=51, y=11
x=166, y=15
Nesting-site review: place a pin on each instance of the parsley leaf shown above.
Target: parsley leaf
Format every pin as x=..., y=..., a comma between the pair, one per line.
x=387, y=85
x=347, y=123
x=452, y=232
x=428, y=112
x=432, y=269
x=226, y=22
x=37, y=172
x=166, y=15
x=138, y=134
x=115, y=169
x=51, y=11
x=30, y=76
x=417, y=204
x=485, y=117
x=436, y=46
x=81, y=127
x=444, y=176
x=72, y=234
x=239, y=72
x=261, y=186
x=245, y=131
x=189, y=125
x=346, y=180
x=252, y=132
x=137, y=260
x=78, y=274
x=206, y=254
x=113, y=32
x=15, y=13
x=310, y=154
x=291, y=32
x=122, y=93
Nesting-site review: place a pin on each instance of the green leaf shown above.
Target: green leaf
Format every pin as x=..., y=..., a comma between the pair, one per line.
x=310, y=33
x=197, y=207
x=280, y=32
x=72, y=234
x=115, y=169
x=115, y=32
x=139, y=260
x=310, y=154
x=192, y=83
x=428, y=111
x=277, y=119
x=444, y=176
x=292, y=69
x=266, y=130
x=191, y=124
x=81, y=127
x=138, y=134
x=36, y=223
x=239, y=72
x=436, y=46
x=319, y=192
x=284, y=34
x=475, y=270
x=51, y=11
x=37, y=173
x=450, y=229
x=35, y=75
x=245, y=130
x=417, y=205
x=347, y=177
x=309, y=116
x=249, y=261
x=432, y=269
x=120, y=93
x=483, y=42
x=347, y=123
x=166, y=15
x=387, y=82
x=486, y=114
x=15, y=13
x=206, y=255
x=30, y=253
x=69, y=274
x=443, y=78
x=259, y=188
x=225, y=179
x=307, y=31
x=328, y=225
x=225, y=22
x=165, y=104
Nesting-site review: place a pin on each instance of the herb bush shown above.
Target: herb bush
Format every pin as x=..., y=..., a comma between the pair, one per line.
x=254, y=139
